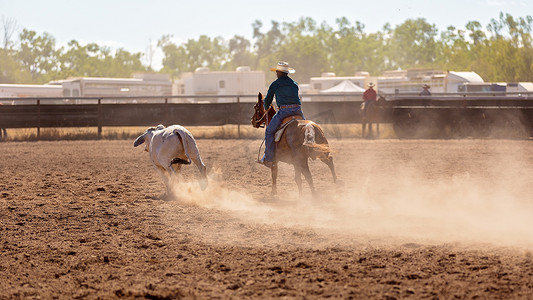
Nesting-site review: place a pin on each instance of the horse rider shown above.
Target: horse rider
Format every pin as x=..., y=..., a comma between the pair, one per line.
x=425, y=90
x=288, y=101
x=369, y=96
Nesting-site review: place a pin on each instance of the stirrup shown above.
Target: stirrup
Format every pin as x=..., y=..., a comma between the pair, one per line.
x=266, y=163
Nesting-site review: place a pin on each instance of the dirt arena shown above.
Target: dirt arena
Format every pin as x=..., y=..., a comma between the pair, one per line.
x=410, y=219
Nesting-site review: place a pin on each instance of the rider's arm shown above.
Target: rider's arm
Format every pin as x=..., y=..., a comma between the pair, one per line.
x=365, y=96
x=270, y=95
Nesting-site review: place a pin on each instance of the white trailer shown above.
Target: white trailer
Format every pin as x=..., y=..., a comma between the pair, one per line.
x=411, y=81
x=519, y=87
x=140, y=85
x=28, y=90
x=509, y=88
x=202, y=81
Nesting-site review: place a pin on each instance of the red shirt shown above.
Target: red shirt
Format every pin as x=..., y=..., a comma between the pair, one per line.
x=369, y=95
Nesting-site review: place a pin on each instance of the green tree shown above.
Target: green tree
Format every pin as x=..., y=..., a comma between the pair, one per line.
x=204, y=52
x=93, y=60
x=81, y=61
x=266, y=44
x=239, y=53
x=11, y=71
x=353, y=50
x=502, y=52
x=175, y=59
x=412, y=44
x=122, y=64
x=506, y=57
x=38, y=55
x=302, y=49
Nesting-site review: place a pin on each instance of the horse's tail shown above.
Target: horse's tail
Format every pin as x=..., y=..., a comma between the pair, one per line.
x=315, y=141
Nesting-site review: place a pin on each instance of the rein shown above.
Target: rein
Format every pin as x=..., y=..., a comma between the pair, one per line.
x=261, y=119
x=261, y=126
x=264, y=115
x=259, y=151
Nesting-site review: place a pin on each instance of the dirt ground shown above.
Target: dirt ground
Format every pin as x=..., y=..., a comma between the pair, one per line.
x=409, y=219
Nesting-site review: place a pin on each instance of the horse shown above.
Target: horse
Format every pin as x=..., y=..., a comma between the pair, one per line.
x=301, y=140
x=370, y=113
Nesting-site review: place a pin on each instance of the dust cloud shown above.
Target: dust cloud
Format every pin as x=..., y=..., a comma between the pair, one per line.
x=454, y=197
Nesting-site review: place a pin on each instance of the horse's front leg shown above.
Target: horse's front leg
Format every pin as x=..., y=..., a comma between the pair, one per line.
x=377, y=126
x=274, y=171
x=364, y=128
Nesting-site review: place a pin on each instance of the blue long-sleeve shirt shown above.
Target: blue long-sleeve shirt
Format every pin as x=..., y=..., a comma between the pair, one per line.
x=286, y=91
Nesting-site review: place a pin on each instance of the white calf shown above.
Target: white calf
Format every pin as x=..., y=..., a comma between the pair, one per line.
x=169, y=148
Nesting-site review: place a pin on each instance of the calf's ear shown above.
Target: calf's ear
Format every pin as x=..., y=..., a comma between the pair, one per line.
x=139, y=140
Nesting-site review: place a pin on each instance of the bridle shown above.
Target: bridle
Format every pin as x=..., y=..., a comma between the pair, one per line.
x=261, y=121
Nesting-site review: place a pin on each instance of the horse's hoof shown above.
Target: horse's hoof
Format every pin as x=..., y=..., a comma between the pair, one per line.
x=203, y=184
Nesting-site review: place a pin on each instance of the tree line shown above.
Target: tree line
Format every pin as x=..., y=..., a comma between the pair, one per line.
x=499, y=51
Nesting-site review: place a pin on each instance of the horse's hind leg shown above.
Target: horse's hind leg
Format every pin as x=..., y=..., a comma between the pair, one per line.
x=329, y=162
x=298, y=178
x=274, y=171
x=307, y=175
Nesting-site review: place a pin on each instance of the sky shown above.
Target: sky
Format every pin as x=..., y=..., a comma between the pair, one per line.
x=135, y=24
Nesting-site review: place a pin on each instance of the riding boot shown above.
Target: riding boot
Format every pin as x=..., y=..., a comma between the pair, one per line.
x=266, y=163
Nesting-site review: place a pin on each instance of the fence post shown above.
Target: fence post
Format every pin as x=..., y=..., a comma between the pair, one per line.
x=239, y=117
x=38, y=119
x=99, y=118
x=167, y=114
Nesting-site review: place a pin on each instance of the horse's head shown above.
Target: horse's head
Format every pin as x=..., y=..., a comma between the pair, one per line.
x=261, y=116
x=259, y=111
x=381, y=101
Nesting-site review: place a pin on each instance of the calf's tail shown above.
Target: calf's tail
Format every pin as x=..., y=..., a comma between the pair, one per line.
x=184, y=143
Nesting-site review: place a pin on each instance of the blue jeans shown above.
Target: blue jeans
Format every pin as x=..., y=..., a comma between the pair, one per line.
x=270, y=147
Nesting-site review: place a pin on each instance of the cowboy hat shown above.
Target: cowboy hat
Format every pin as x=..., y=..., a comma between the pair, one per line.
x=283, y=67
x=425, y=86
x=371, y=84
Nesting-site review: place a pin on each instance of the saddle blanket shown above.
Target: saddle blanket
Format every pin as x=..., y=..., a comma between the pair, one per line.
x=288, y=120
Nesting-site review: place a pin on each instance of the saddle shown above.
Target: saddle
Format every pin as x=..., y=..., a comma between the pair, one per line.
x=286, y=121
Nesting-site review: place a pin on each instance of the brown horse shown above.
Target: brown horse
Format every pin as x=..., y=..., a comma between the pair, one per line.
x=371, y=114
x=301, y=140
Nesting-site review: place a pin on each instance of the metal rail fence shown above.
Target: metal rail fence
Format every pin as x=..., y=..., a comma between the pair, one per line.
x=407, y=113
x=148, y=111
